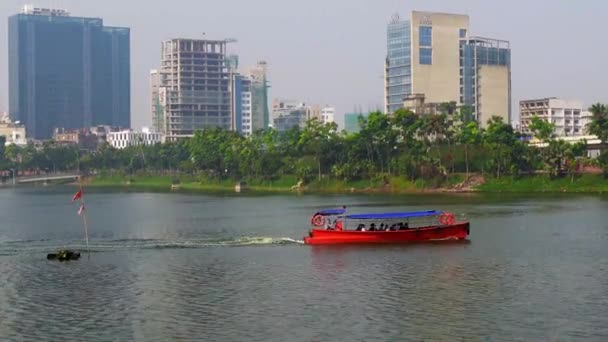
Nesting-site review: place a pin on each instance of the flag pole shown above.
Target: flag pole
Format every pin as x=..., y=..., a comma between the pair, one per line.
x=84, y=217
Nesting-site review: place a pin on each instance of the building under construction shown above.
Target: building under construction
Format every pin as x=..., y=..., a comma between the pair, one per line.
x=191, y=90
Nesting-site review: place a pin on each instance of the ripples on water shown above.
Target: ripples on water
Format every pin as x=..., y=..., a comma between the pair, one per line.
x=533, y=271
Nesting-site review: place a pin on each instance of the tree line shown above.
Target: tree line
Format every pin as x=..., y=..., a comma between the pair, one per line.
x=427, y=147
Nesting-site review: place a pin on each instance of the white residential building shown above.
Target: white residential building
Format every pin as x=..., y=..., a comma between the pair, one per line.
x=13, y=132
x=242, y=114
x=126, y=138
x=569, y=117
x=288, y=114
x=328, y=114
x=247, y=119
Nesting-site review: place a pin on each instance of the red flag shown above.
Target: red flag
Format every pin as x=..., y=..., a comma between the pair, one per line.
x=81, y=209
x=77, y=196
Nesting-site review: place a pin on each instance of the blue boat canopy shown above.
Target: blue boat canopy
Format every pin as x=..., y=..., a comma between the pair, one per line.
x=330, y=212
x=380, y=216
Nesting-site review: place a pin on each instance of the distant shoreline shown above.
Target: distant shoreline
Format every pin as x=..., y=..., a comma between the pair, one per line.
x=593, y=184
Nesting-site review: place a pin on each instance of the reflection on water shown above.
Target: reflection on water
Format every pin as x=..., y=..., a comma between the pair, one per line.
x=233, y=268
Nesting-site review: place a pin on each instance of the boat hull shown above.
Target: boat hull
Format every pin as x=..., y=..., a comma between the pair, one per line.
x=456, y=231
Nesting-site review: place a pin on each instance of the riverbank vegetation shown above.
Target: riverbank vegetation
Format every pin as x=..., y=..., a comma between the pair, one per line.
x=400, y=152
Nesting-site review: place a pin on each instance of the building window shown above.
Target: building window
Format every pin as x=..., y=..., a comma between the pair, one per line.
x=426, y=56
x=426, y=36
x=463, y=33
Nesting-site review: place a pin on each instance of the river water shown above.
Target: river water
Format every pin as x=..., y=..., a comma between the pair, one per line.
x=168, y=266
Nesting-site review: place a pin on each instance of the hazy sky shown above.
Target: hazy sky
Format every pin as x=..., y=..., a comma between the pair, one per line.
x=332, y=51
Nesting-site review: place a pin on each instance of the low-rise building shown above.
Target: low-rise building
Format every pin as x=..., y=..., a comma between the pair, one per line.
x=85, y=138
x=289, y=114
x=328, y=114
x=13, y=132
x=569, y=117
x=594, y=144
x=129, y=137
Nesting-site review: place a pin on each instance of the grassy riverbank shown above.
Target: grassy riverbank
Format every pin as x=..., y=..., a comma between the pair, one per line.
x=589, y=183
x=283, y=184
x=580, y=184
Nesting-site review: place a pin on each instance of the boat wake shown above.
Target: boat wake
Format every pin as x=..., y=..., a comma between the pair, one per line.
x=18, y=247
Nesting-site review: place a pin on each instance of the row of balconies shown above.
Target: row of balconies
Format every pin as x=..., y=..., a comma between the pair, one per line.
x=553, y=114
x=202, y=108
x=535, y=105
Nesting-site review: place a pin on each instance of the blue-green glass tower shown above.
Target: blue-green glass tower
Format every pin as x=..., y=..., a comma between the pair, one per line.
x=67, y=72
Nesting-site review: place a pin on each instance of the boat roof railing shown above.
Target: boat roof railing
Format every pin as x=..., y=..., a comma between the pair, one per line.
x=331, y=212
x=403, y=215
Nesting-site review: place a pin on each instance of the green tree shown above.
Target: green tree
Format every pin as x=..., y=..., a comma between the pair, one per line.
x=599, y=121
x=315, y=139
x=500, y=139
x=469, y=134
x=542, y=130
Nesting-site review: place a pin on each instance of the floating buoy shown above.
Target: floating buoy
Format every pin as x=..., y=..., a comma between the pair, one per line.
x=63, y=255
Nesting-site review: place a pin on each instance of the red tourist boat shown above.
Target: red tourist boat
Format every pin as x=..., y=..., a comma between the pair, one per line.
x=334, y=226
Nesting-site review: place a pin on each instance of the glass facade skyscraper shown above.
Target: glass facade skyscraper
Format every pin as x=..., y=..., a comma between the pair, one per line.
x=431, y=59
x=67, y=72
x=398, y=64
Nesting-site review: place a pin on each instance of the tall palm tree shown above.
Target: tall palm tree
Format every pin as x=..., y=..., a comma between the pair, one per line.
x=599, y=121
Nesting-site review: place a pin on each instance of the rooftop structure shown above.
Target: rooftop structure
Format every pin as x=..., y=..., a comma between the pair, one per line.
x=32, y=10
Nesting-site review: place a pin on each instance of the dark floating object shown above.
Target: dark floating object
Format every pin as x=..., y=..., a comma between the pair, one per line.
x=64, y=255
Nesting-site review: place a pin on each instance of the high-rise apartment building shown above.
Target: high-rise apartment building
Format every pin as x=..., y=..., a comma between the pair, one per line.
x=241, y=105
x=67, y=72
x=569, y=117
x=193, y=88
x=158, y=113
x=432, y=55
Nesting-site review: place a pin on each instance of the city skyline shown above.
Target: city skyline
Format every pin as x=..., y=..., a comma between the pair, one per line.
x=67, y=72
x=335, y=55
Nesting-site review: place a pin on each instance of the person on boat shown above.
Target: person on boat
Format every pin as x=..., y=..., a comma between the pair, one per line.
x=393, y=227
x=381, y=227
x=338, y=225
x=372, y=227
x=361, y=227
